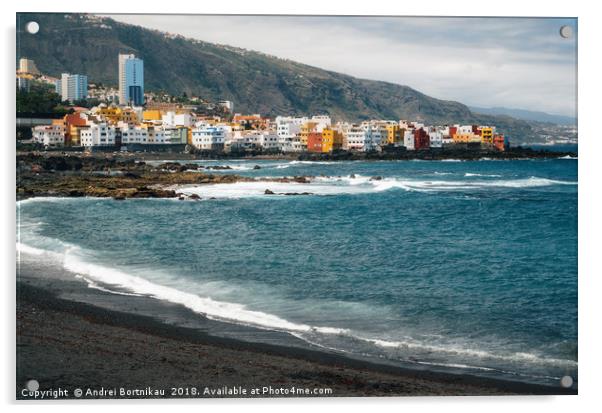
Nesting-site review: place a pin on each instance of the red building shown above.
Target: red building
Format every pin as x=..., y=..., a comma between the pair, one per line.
x=314, y=142
x=421, y=139
x=452, y=131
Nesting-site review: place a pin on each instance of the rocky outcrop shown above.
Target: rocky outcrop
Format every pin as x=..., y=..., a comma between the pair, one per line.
x=72, y=176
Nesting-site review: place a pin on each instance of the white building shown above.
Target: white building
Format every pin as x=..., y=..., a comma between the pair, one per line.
x=464, y=130
x=209, y=137
x=28, y=66
x=49, y=135
x=97, y=134
x=291, y=119
x=355, y=139
x=72, y=87
x=288, y=130
x=322, y=122
x=268, y=140
x=374, y=136
x=157, y=134
x=228, y=104
x=179, y=119
x=290, y=143
x=436, y=139
x=132, y=134
x=408, y=140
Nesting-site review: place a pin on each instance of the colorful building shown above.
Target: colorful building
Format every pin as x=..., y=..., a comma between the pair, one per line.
x=487, y=135
x=466, y=138
x=332, y=139
x=394, y=134
x=306, y=129
x=152, y=115
x=73, y=124
x=315, y=142
x=421, y=139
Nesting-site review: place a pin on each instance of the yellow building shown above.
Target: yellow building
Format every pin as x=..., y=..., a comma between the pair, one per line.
x=75, y=134
x=487, y=135
x=151, y=115
x=306, y=129
x=327, y=140
x=394, y=134
x=114, y=114
x=466, y=138
x=110, y=113
x=129, y=116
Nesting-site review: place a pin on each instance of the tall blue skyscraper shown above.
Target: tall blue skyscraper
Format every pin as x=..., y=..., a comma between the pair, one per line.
x=131, y=80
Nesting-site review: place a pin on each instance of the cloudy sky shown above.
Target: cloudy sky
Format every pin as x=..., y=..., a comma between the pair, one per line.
x=510, y=62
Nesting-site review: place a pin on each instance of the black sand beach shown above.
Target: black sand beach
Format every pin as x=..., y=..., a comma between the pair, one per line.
x=72, y=337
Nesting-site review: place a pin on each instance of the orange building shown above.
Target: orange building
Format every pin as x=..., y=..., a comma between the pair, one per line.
x=314, y=142
x=73, y=123
x=306, y=129
x=250, y=121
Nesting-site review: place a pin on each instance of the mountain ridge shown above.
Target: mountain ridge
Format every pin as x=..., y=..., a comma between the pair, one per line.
x=528, y=115
x=256, y=82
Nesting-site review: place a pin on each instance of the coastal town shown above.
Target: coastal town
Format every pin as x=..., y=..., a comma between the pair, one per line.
x=129, y=119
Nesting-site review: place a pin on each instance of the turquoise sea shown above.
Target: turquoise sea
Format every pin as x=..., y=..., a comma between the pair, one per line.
x=445, y=264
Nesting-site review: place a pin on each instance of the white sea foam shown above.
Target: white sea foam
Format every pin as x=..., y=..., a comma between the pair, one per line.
x=116, y=281
x=568, y=157
x=314, y=163
x=26, y=249
x=103, y=278
x=467, y=174
x=258, y=188
x=465, y=351
x=203, y=305
x=358, y=184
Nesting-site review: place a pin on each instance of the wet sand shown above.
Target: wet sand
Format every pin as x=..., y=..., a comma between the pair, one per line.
x=70, y=344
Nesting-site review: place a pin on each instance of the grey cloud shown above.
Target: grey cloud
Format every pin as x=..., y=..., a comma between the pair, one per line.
x=512, y=62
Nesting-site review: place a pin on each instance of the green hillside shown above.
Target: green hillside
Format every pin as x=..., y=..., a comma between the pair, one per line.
x=255, y=82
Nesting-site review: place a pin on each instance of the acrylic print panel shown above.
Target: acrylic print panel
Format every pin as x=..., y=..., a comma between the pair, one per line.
x=298, y=206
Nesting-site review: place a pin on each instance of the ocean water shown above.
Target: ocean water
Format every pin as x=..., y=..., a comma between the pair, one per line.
x=463, y=265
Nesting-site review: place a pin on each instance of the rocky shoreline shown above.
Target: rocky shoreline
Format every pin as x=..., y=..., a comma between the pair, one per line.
x=113, y=177
x=122, y=176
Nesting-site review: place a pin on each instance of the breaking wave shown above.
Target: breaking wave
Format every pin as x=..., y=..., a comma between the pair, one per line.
x=116, y=281
x=357, y=184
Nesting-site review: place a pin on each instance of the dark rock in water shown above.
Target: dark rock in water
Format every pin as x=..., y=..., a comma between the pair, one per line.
x=218, y=167
x=131, y=175
x=301, y=179
x=76, y=192
x=376, y=178
x=257, y=167
x=181, y=198
x=171, y=166
x=298, y=193
x=194, y=196
x=352, y=176
x=119, y=198
x=268, y=192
